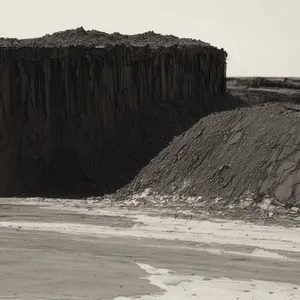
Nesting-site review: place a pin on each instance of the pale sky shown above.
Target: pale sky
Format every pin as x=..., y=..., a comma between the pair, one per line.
x=262, y=37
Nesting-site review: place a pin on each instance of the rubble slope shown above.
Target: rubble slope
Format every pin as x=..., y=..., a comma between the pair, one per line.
x=248, y=154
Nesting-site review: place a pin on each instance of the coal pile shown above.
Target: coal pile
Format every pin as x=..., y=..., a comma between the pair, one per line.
x=248, y=155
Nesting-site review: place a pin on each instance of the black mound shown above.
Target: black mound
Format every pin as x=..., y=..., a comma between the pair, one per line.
x=248, y=153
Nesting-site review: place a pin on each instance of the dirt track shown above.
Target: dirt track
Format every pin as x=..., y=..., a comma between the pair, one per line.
x=80, y=250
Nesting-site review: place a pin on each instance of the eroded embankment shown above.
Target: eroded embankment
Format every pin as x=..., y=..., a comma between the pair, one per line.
x=256, y=90
x=85, y=119
x=243, y=157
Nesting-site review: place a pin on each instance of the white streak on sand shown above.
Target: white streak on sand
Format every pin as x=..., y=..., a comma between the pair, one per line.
x=175, y=287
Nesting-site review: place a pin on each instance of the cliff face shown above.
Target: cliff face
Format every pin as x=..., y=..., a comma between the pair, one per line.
x=87, y=119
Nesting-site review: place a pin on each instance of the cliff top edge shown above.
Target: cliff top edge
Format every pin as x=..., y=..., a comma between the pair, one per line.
x=82, y=37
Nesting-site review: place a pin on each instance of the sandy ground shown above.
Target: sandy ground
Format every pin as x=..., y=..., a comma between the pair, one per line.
x=67, y=251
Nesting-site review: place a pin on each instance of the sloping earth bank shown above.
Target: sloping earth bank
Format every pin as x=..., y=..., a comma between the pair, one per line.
x=245, y=158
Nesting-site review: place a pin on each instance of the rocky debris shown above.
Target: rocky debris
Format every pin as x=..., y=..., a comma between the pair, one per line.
x=94, y=38
x=255, y=90
x=228, y=161
x=77, y=121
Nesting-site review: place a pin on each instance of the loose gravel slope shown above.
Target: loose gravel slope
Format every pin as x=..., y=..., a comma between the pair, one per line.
x=249, y=155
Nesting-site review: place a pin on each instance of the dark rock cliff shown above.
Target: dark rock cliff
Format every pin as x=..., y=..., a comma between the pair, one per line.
x=85, y=119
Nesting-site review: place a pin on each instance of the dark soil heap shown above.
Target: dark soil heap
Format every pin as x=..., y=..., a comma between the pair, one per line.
x=250, y=154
